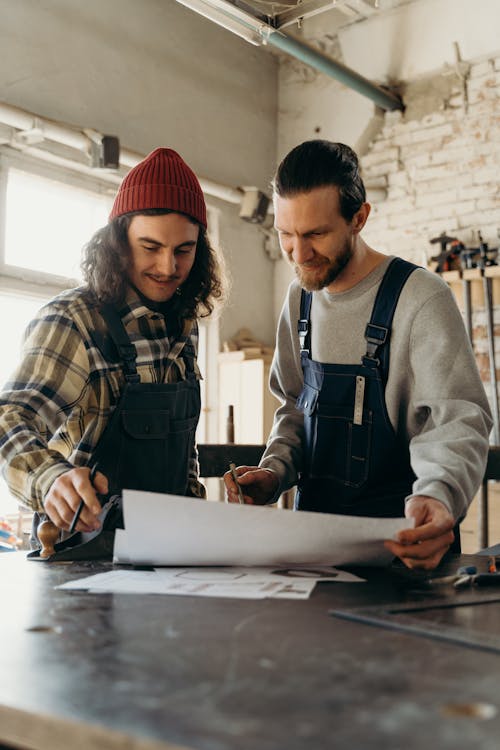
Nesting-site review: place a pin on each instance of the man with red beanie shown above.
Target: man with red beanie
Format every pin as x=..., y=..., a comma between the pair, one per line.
x=109, y=376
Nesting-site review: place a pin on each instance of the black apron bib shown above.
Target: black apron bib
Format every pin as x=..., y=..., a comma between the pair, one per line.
x=150, y=437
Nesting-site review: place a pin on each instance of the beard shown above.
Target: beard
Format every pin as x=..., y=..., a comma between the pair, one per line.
x=323, y=271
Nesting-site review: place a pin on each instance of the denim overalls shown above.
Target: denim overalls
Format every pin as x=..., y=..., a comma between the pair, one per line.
x=150, y=437
x=149, y=440
x=354, y=463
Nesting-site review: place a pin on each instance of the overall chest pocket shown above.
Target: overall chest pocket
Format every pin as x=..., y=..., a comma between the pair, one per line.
x=155, y=451
x=146, y=424
x=335, y=446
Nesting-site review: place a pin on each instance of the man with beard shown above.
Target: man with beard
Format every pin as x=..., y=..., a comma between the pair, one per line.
x=383, y=412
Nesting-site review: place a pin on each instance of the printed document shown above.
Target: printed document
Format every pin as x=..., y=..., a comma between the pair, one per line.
x=169, y=530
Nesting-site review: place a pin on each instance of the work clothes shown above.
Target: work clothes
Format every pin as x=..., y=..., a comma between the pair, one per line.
x=58, y=402
x=434, y=397
x=150, y=437
x=354, y=463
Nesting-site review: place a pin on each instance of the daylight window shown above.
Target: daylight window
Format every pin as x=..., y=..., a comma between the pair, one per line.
x=48, y=223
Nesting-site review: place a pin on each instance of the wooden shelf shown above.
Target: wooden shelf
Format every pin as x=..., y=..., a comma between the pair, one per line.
x=243, y=383
x=474, y=276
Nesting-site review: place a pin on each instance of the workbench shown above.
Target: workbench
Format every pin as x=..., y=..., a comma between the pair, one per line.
x=86, y=671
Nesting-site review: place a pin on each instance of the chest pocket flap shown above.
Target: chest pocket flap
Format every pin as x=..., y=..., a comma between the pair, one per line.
x=145, y=424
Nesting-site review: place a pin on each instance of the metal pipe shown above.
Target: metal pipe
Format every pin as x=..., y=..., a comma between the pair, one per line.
x=325, y=64
x=466, y=286
x=488, y=303
x=482, y=516
x=255, y=31
x=112, y=177
x=25, y=122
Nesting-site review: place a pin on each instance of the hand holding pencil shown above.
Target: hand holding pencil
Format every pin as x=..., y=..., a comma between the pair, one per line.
x=250, y=485
x=232, y=469
x=81, y=505
x=74, y=491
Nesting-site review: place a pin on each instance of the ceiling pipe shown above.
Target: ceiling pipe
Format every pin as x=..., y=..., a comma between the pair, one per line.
x=257, y=32
x=316, y=59
x=32, y=130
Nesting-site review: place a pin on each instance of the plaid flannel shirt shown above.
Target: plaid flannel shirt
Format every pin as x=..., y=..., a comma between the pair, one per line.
x=57, y=403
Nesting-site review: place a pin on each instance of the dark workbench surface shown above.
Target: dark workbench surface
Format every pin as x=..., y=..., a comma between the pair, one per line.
x=85, y=672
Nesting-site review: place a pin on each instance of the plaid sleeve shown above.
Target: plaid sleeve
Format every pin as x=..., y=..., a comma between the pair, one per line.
x=50, y=379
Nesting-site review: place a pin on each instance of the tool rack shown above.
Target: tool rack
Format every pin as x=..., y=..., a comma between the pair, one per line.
x=455, y=279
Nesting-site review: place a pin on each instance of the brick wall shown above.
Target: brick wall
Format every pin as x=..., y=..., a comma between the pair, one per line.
x=440, y=163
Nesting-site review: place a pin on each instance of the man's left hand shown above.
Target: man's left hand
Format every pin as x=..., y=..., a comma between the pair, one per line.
x=424, y=546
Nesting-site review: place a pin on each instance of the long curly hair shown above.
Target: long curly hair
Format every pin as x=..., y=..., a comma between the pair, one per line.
x=106, y=260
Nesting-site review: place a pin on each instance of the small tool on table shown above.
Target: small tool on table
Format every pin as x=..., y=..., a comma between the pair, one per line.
x=92, y=474
x=232, y=469
x=462, y=576
x=468, y=575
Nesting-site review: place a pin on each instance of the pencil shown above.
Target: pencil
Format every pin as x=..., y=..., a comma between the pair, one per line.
x=232, y=469
x=92, y=474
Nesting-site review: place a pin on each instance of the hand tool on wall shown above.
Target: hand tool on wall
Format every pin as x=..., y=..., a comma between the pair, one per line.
x=479, y=258
x=467, y=262
x=451, y=250
x=447, y=259
x=488, y=304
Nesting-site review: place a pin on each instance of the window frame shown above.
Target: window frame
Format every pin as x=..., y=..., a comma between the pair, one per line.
x=24, y=162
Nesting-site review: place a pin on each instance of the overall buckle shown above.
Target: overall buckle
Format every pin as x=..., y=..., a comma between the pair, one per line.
x=375, y=336
x=303, y=329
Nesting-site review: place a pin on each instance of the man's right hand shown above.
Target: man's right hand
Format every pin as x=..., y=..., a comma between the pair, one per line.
x=258, y=485
x=63, y=499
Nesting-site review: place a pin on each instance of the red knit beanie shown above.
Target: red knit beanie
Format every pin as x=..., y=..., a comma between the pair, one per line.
x=161, y=180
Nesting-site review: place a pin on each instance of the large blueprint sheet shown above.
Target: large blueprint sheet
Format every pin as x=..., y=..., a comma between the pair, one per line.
x=171, y=530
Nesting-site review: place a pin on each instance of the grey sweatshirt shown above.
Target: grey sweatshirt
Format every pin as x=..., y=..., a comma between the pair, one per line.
x=434, y=396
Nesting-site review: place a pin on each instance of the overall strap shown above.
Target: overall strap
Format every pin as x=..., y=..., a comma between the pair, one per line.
x=377, y=332
x=182, y=352
x=188, y=356
x=304, y=326
x=119, y=336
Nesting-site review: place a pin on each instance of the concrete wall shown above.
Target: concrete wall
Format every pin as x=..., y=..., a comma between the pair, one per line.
x=154, y=73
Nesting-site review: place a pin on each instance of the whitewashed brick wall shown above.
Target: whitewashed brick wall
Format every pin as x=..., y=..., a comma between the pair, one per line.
x=442, y=174
x=441, y=171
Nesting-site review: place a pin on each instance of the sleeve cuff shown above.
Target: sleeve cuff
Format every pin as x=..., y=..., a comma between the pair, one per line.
x=43, y=479
x=438, y=491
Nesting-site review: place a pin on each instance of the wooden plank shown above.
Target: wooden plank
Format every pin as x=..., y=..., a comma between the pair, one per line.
x=215, y=459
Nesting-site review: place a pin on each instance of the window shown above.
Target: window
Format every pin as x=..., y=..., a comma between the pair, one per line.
x=48, y=217
x=18, y=309
x=47, y=222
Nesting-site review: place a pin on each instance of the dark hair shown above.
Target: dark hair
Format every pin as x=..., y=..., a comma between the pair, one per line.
x=106, y=261
x=320, y=163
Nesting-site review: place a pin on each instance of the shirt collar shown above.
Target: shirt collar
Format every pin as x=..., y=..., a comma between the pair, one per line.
x=134, y=307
